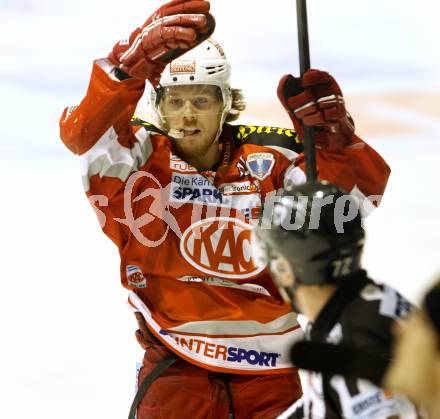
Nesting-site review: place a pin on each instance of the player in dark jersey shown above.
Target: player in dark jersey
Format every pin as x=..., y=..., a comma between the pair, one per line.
x=312, y=238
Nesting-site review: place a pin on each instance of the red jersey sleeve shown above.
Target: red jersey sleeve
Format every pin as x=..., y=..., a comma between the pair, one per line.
x=356, y=168
x=108, y=103
x=99, y=131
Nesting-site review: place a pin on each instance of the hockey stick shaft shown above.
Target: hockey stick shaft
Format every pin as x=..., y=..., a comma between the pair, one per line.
x=304, y=63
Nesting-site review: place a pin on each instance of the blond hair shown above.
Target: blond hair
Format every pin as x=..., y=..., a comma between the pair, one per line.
x=238, y=105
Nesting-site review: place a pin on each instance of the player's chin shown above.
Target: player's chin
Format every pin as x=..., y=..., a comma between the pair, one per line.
x=196, y=144
x=192, y=140
x=190, y=146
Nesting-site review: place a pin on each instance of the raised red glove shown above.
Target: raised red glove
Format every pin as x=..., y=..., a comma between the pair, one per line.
x=317, y=101
x=168, y=33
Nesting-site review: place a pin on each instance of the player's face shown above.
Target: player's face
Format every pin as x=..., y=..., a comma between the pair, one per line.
x=282, y=274
x=416, y=360
x=192, y=114
x=279, y=267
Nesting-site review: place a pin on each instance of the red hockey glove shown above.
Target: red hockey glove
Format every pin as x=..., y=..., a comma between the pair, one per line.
x=172, y=30
x=317, y=101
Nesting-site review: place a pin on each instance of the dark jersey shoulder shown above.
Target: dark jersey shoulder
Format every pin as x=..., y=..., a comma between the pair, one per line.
x=369, y=318
x=266, y=136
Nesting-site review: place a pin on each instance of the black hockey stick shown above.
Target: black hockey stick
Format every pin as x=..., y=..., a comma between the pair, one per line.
x=304, y=65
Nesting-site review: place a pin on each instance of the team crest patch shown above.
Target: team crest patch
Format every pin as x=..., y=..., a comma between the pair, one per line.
x=260, y=165
x=135, y=277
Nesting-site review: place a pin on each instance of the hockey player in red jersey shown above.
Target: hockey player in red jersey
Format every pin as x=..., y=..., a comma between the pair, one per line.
x=178, y=201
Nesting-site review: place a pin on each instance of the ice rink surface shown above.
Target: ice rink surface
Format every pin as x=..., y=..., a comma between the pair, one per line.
x=67, y=347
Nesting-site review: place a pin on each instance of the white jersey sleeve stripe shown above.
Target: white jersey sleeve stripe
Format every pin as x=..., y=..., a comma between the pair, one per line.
x=109, y=158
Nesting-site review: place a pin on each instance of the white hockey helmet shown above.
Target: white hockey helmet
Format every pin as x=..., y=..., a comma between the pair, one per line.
x=205, y=64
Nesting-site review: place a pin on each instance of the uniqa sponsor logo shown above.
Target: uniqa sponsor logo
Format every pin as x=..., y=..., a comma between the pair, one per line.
x=220, y=246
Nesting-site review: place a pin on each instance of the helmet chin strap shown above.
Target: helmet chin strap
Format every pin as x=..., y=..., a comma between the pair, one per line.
x=220, y=128
x=226, y=109
x=291, y=293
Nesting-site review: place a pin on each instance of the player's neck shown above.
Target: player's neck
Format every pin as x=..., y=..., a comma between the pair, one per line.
x=207, y=160
x=313, y=298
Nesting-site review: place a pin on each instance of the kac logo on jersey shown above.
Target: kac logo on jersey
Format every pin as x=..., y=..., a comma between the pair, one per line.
x=135, y=277
x=220, y=246
x=260, y=165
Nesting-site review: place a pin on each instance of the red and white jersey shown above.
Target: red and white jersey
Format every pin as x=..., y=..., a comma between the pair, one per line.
x=184, y=236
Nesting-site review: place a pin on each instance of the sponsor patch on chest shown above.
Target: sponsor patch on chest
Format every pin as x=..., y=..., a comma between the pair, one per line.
x=237, y=188
x=179, y=165
x=194, y=188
